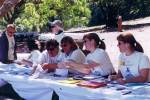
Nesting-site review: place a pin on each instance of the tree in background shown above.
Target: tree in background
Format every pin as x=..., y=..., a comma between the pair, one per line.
x=107, y=11
x=6, y=6
x=35, y=16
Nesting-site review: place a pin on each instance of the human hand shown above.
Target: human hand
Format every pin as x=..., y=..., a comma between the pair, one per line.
x=121, y=81
x=45, y=66
x=61, y=65
x=93, y=64
x=23, y=61
x=26, y=62
x=112, y=77
x=18, y=62
x=33, y=70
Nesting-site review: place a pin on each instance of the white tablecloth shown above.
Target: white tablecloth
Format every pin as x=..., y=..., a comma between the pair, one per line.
x=25, y=86
x=42, y=89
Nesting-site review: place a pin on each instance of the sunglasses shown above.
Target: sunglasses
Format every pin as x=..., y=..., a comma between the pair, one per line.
x=50, y=49
x=84, y=41
x=52, y=26
x=63, y=45
x=120, y=43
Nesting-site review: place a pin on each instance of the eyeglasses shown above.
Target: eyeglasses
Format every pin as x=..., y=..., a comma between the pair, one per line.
x=84, y=41
x=52, y=26
x=50, y=49
x=63, y=45
x=120, y=43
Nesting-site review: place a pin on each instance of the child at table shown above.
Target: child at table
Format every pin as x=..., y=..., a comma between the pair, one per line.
x=34, y=46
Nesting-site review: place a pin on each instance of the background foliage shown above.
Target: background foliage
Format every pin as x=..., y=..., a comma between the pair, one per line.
x=33, y=15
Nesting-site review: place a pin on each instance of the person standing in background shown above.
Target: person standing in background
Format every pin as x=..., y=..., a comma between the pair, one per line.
x=8, y=55
x=8, y=45
x=56, y=28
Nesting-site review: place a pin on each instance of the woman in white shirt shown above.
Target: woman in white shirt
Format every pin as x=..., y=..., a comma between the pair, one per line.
x=50, y=57
x=97, y=61
x=134, y=65
x=33, y=58
x=71, y=52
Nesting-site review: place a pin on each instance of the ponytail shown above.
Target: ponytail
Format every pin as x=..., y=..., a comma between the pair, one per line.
x=129, y=38
x=102, y=44
x=98, y=42
x=138, y=47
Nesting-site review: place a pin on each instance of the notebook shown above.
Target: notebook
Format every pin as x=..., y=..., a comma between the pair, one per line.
x=92, y=84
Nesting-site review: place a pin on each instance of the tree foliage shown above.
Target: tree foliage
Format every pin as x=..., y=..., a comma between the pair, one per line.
x=107, y=11
x=33, y=15
x=73, y=13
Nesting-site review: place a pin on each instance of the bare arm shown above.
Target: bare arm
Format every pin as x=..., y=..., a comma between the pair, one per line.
x=115, y=77
x=27, y=62
x=83, y=68
x=141, y=78
x=144, y=74
x=50, y=67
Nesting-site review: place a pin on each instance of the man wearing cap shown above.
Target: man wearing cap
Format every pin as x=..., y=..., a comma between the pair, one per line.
x=57, y=29
x=8, y=45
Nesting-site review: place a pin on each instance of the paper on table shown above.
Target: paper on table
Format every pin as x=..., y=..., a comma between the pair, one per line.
x=91, y=77
x=39, y=72
x=70, y=81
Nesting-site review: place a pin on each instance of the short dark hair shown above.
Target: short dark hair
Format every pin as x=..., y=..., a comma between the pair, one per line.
x=32, y=45
x=69, y=40
x=52, y=43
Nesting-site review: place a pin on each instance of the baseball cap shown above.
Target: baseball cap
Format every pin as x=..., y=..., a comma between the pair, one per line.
x=54, y=23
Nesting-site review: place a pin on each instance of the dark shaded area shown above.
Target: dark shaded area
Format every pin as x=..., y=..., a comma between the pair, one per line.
x=7, y=91
x=107, y=12
x=24, y=37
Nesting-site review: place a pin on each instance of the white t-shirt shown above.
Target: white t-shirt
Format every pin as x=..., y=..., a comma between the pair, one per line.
x=34, y=56
x=76, y=56
x=59, y=37
x=45, y=58
x=131, y=65
x=11, y=47
x=101, y=57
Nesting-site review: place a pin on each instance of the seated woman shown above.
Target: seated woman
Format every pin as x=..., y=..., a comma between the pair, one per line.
x=71, y=52
x=134, y=66
x=49, y=57
x=97, y=61
x=33, y=46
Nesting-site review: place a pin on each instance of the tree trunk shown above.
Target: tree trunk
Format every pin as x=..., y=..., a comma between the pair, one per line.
x=6, y=5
